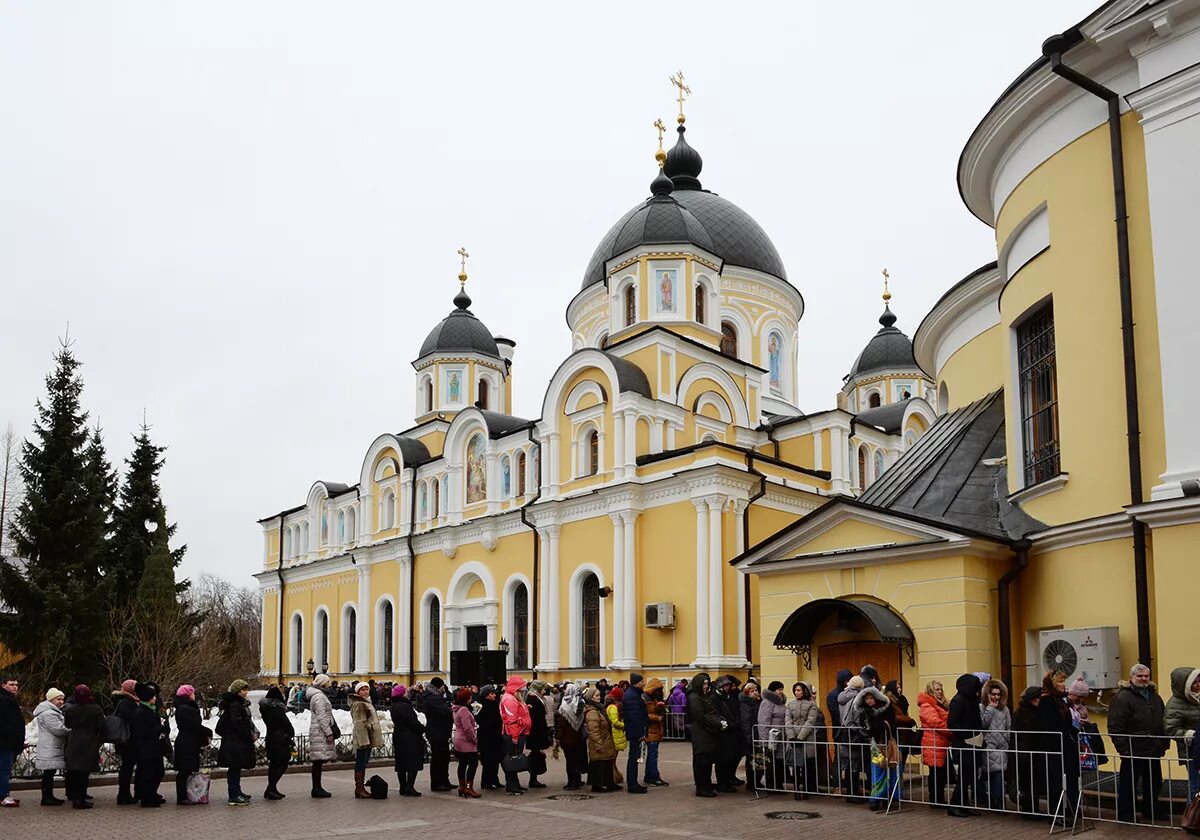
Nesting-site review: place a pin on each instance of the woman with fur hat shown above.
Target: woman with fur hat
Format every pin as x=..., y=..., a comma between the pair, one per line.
x=491, y=738
x=52, y=742
x=238, y=735
x=321, y=729
x=771, y=734
x=367, y=735
x=408, y=741
x=86, y=722
x=997, y=733
x=190, y=737
x=568, y=731
x=602, y=749
x=802, y=716
x=935, y=739
x=280, y=738
x=466, y=743
x=869, y=716
x=148, y=738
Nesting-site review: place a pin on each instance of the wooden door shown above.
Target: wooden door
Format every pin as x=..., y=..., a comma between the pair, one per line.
x=853, y=656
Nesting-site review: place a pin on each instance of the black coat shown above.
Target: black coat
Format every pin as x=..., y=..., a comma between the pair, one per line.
x=965, y=716
x=730, y=743
x=539, y=731
x=408, y=736
x=86, y=723
x=1055, y=722
x=125, y=707
x=439, y=719
x=190, y=737
x=12, y=722
x=280, y=733
x=1130, y=714
x=237, y=732
x=703, y=718
x=146, y=735
x=488, y=729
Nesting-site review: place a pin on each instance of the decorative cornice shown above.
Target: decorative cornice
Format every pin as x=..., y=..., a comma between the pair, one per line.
x=1184, y=510
x=970, y=293
x=1085, y=532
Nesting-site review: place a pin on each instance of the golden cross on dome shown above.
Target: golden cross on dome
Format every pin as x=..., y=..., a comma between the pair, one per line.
x=462, y=274
x=886, y=294
x=660, y=155
x=684, y=91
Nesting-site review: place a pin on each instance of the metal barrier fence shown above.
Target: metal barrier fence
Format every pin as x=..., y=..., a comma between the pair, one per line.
x=675, y=727
x=1144, y=780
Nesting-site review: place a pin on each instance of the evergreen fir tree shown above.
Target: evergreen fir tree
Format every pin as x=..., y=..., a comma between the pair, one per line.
x=54, y=613
x=156, y=590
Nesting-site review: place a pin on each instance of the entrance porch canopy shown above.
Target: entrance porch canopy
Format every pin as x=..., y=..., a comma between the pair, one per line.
x=798, y=629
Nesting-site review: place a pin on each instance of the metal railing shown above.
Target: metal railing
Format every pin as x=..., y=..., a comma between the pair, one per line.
x=675, y=726
x=1144, y=780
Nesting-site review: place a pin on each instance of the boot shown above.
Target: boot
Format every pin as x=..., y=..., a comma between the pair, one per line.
x=462, y=790
x=360, y=789
x=318, y=792
x=48, y=797
x=411, y=788
x=471, y=793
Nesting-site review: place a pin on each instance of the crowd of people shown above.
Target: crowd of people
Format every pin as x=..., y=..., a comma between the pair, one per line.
x=978, y=751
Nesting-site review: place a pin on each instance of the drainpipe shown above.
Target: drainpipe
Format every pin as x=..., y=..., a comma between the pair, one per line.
x=279, y=631
x=535, y=596
x=762, y=491
x=412, y=577
x=1004, y=608
x=1052, y=49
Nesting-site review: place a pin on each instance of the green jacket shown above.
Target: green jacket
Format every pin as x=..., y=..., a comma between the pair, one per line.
x=1182, y=713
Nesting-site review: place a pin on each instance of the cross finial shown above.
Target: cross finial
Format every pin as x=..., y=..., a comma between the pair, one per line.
x=683, y=92
x=660, y=155
x=462, y=274
x=887, y=295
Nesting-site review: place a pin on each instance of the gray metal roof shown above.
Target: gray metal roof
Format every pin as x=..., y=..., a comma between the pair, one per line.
x=799, y=628
x=499, y=425
x=888, y=349
x=885, y=417
x=460, y=332
x=630, y=377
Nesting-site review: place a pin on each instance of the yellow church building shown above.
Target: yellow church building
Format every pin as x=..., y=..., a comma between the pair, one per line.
x=1019, y=477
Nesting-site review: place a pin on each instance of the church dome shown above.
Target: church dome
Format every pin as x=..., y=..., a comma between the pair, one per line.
x=460, y=332
x=889, y=349
x=688, y=214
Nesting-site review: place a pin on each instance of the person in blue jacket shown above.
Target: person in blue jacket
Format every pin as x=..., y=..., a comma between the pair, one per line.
x=636, y=723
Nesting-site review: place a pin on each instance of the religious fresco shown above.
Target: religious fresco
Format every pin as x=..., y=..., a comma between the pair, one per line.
x=774, y=362
x=665, y=284
x=505, y=477
x=454, y=386
x=476, y=470
x=424, y=502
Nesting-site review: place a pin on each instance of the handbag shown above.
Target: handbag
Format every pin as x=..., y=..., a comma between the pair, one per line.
x=515, y=763
x=378, y=787
x=1191, y=816
x=892, y=753
x=336, y=733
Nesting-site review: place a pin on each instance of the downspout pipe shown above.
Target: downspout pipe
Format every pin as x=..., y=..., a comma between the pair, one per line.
x=1052, y=49
x=1004, y=608
x=279, y=610
x=762, y=491
x=535, y=596
x=412, y=577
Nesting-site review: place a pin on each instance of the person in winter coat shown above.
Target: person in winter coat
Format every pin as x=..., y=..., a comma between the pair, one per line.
x=854, y=755
x=12, y=738
x=1135, y=724
x=408, y=741
x=238, y=735
x=321, y=732
x=732, y=740
x=601, y=749
x=516, y=725
x=539, y=734
x=633, y=712
x=147, y=736
x=1181, y=717
x=51, y=744
x=906, y=733
x=570, y=735
x=1029, y=769
x=966, y=723
x=466, y=743
x=191, y=735
x=367, y=735
x=873, y=713
x=1059, y=743
x=997, y=733
x=707, y=727
x=656, y=719
x=772, y=733
x=438, y=722
x=85, y=721
x=491, y=738
x=802, y=716
x=280, y=737
x=124, y=706
x=935, y=739
x=833, y=705
x=676, y=723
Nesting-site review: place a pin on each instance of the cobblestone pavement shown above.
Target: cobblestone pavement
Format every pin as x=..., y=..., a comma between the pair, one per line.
x=664, y=812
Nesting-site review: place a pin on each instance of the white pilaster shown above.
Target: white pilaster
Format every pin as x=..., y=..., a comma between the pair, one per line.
x=619, y=593
x=551, y=618
x=716, y=588
x=739, y=510
x=701, y=581
x=630, y=443
x=492, y=467
x=404, y=648
x=362, y=639
x=631, y=589
x=618, y=449
x=550, y=467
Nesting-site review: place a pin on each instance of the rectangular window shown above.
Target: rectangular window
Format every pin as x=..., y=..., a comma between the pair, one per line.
x=1037, y=372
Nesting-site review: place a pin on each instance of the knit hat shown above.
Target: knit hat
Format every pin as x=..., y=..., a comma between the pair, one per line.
x=1079, y=688
x=635, y=678
x=185, y=690
x=238, y=686
x=83, y=695
x=438, y=682
x=53, y=694
x=360, y=685
x=857, y=683
x=538, y=686
x=398, y=690
x=321, y=680
x=128, y=686
x=144, y=692
x=275, y=693
x=1030, y=693
x=775, y=685
x=485, y=690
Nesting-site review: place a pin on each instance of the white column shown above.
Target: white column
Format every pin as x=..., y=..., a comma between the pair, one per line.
x=551, y=618
x=839, y=460
x=716, y=589
x=549, y=461
x=618, y=447
x=492, y=467
x=362, y=637
x=403, y=649
x=631, y=599
x=701, y=580
x=739, y=509
x=619, y=594
x=630, y=443
x=818, y=451
x=363, y=523
x=543, y=596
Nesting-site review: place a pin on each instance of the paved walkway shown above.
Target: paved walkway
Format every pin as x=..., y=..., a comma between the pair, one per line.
x=664, y=812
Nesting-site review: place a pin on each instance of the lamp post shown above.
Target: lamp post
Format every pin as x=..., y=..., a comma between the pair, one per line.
x=503, y=646
x=312, y=669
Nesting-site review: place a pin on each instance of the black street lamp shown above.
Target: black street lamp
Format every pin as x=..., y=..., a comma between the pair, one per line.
x=503, y=646
x=312, y=669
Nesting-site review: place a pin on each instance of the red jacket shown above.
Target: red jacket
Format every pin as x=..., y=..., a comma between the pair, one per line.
x=514, y=714
x=935, y=737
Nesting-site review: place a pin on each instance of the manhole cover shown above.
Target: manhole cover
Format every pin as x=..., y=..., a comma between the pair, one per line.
x=570, y=797
x=792, y=815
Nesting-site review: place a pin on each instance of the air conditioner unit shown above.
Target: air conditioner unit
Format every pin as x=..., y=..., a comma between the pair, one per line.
x=1093, y=653
x=660, y=616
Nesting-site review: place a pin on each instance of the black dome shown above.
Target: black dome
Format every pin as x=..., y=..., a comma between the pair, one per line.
x=887, y=350
x=460, y=332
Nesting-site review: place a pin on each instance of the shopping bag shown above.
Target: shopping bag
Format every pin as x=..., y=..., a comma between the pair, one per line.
x=197, y=788
x=515, y=763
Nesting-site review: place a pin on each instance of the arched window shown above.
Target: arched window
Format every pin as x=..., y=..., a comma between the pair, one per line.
x=879, y=465
x=435, y=634
x=630, y=305
x=324, y=529
x=297, y=645
x=505, y=477
x=521, y=473
x=483, y=394
x=862, y=467
x=287, y=543
x=429, y=393
x=387, y=512
x=350, y=652
x=322, y=646
x=729, y=344
x=437, y=498
x=943, y=398
x=873, y=399
x=593, y=453
x=700, y=295
x=386, y=634
x=351, y=530
x=341, y=527
x=589, y=621
x=520, y=627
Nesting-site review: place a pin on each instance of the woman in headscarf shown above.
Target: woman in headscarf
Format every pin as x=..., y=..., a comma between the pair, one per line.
x=491, y=744
x=539, y=733
x=568, y=731
x=190, y=737
x=86, y=722
x=408, y=741
x=935, y=739
x=601, y=748
x=280, y=736
x=321, y=732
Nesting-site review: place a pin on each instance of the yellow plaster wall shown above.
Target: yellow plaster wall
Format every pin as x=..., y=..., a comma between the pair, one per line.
x=586, y=541
x=852, y=533
x=799, y=451
x=270, y=625
x=974, y=370
x=1173, y=596
x=666, y=551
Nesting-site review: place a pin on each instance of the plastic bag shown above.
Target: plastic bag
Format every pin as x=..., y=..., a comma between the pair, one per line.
x=197, y=788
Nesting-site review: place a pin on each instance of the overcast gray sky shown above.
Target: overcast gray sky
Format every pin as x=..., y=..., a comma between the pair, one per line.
x=248, y=212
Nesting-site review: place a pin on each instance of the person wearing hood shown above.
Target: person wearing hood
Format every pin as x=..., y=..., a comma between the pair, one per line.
x=707, y=726
x=633, y=710
x=656, y=719
x=238, y=735
x=280, y=737
x=321, y=729
x=1060, y=743
x=52, y=742
x=439, y=720
x=408, y=741
x=191, y=735
x=466, y=743
x=86, y=724
x=836, y=730
x=491, y=738
x=935, y=739
x=124, y=706
x=754, y=741
x=1029, y=770
x=871, y=717
x=854, y=757
x=367, y=735
x=539, y=734
x=1136, y=714
x=601, y=749
x=1181, y=718
x=516, y=725
x=147, y=735
x=676, y=724
x=966, y=723
x=568, y=732
x=803, y=715
x=731, y=741
x=997, y=735
x=772, y=732
x=906, y=732
x=870, y=675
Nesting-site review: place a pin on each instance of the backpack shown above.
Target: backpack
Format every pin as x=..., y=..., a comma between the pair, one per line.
x=378, y=787
x=116, y=730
